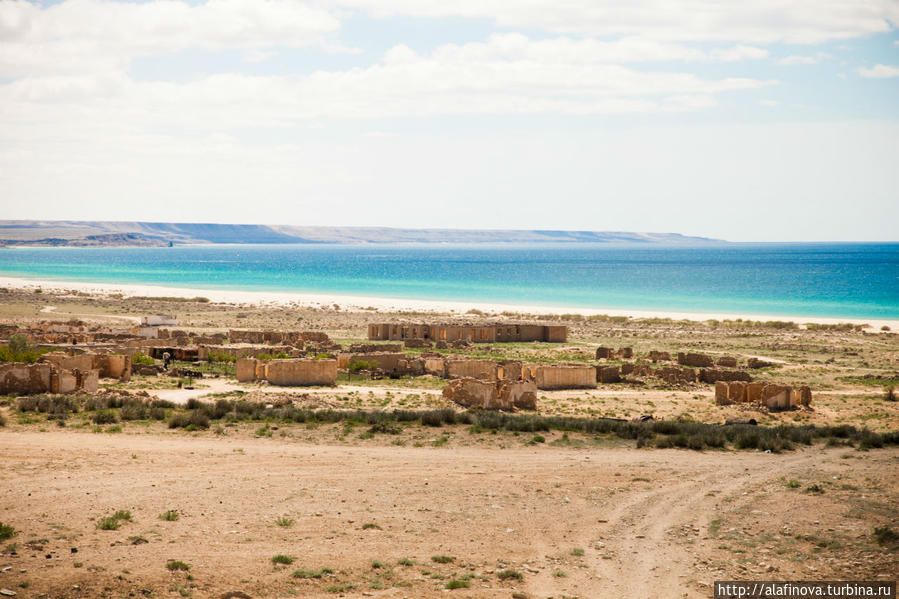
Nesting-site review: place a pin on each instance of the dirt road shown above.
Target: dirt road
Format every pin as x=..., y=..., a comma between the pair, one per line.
x=571, y=522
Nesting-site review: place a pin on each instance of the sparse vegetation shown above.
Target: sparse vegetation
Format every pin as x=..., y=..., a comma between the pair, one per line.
x=509, y=575
x=282, y=559
x=114, y=522
x=886, y=536
x=284, y=522
x=169, y=515
x=20, y=349
x=442, y=559
x=455, y=583
x=176, y=566
x=6, y=531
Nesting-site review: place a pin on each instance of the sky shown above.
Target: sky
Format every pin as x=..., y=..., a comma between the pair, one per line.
x=763, y=120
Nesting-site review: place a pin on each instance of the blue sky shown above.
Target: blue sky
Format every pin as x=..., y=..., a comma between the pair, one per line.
x=755, y=121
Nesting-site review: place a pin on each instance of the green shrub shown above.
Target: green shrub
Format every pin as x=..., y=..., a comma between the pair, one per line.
x=104, y=417
x=20, y=349
x=509, y=575
x=457, y=584
x=108, y=523
x=169, y=515
x=6, y=531
x=141, y=358
x=442, y=559
x=884, y=534
x=284, y=522
x=175, y=565
x=282, y=559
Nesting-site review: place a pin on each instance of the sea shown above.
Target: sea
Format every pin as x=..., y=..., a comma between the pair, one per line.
x=848, y=280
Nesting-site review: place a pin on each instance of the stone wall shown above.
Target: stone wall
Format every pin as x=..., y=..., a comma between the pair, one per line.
x=492, y=395
x=478, y=369
x=695, y=360
x=674, y=375
x=566, y=377
x=17, y=378
x=288, y=373
x=769, y=395
x=492, y=333
x=727, y=362
x=608, y=374
x=712, y=375
x=659, y=356
x=386, y=361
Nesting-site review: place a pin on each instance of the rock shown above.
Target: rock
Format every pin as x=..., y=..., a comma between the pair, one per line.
x=234, y=595
x=7, y=593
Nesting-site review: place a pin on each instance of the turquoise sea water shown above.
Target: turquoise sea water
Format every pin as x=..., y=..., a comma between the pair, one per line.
x=832, y=280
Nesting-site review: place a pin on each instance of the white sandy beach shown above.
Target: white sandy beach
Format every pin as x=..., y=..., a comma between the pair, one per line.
x=354, y=302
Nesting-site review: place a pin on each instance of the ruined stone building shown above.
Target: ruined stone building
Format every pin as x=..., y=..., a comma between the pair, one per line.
x=492, y=333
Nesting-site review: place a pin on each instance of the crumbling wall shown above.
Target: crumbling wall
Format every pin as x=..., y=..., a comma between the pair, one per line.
x=386, y=361
x=727, y=362
x=674, y=375
x=66, y=362
x=374, y=348
x=474, y=393
x=603, y=353
x=302, y=372
x=17, y=378
x=521, y=394
x=246, y=370
x=757, y=363
x=659, y=356
x=492, y=395
x=478, y=369
x=435, y=365
x=115, y=366
x=770, y=395
x=712, y=375
x=509, y=370
x=608, y=374
x=695, y=360
x=473, y=333
x=417, y=343
x=566, y=377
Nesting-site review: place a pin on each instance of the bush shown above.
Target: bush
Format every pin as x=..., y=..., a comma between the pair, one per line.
x=174, y=565
x=141, y=358
x=20, y=349
x=282, y=559
x=108, y=523
x=442, y=559
x=455, y=583
x=884, y=534
x=6, y=531
x=104, y=417
x=509, y=575
x=169, y=515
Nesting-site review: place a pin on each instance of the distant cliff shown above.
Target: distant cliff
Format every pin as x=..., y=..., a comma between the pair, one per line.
x=101, y=233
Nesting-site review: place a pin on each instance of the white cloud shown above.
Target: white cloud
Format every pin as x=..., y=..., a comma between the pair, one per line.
x=509, y=74
x=758, y=21
x=795, y=60
x=82, y=36
x=880, y=71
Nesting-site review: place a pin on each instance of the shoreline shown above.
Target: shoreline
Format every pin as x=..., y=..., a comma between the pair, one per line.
x=363, y=303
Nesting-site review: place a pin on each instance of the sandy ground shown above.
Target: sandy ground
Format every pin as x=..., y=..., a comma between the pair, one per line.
x=388, y=304
x=649, y=523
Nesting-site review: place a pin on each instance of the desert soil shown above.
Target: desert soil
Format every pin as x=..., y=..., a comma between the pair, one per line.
x=649, y=522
